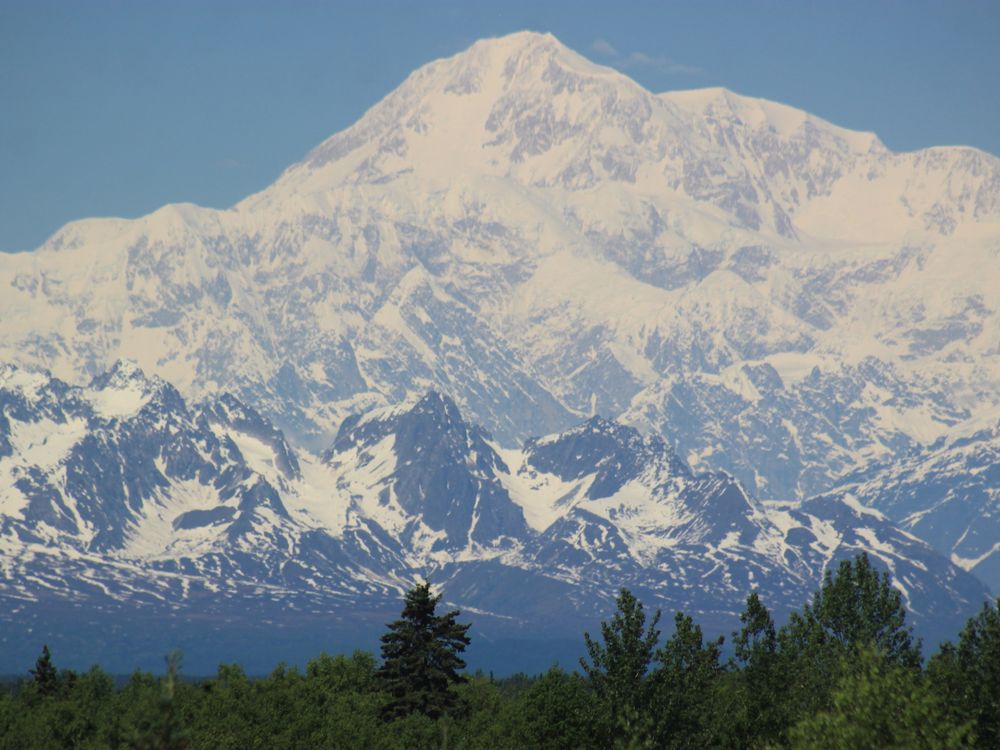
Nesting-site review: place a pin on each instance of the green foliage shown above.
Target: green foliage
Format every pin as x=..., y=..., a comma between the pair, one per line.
x=88, y=720
x=683, y=686
x=844, y=672
x=163, y=728
x=78, y=713
x=854, y=608
x=751, y=698
x=757, y=642
x=488, y=720
x=45, y=675
x=967, y=678
x=880, y=704
x=339, y=674
x=618, y=669
x=8, y=711
x=857, y=606
x=421, y=659
x=558, y=712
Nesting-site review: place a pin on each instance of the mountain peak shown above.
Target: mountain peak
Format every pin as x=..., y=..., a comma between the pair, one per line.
x=124, y=389
x=123, y=373
x=719, y=103
x=545, y=239
x=515, y=56
x=439, y=404
x=431, y=413
x=523, y=51
x=519, y=41
x=487, y=106
x=526, y=110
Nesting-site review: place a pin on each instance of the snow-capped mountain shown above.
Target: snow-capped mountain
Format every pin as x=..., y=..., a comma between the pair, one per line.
x=122, y=501
x=155, y=499
x=947, y=493
x=790, y=436
x=545, y=240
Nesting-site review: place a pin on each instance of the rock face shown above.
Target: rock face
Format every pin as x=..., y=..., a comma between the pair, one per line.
x=947, y=493
x=165, y=501
x=544, y=240
x=122, y=501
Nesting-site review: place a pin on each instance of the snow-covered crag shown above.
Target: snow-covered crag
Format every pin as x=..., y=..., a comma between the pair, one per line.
x=120, y=491
x=545, y=240
x=122, y=501
x=947, y=493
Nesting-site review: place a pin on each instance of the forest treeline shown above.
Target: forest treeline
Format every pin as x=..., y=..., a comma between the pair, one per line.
x=844, y=672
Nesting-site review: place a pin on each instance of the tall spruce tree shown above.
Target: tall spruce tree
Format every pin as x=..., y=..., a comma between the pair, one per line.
x=421, y=659
x=45, y=675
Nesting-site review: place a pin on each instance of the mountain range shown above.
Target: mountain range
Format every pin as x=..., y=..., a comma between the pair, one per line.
x=121, y=494
x=947, y=493
x=791, y=333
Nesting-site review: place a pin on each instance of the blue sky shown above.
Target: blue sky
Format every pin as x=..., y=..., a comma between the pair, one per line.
x=113, y=108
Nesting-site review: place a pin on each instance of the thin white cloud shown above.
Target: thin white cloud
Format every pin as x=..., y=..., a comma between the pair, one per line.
x=603, y=47
x=640, y=59
x=661, y=63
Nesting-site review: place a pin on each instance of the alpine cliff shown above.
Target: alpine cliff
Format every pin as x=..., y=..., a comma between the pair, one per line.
x=545, y=240
x=126, y=510
x=391, y=362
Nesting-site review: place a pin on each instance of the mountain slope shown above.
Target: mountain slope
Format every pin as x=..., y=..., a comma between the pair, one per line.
x=544, y=239
x=123, y=486
x=124, y=503
x=947, y=493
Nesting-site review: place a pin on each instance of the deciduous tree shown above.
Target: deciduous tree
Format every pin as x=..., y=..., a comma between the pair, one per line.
x=682, y=687
x=967, y=677
x=619, y=666
x=879, y=703
x=854, y=608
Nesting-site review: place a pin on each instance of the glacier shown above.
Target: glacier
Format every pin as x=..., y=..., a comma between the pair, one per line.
x=543, y=239
x=792, y=330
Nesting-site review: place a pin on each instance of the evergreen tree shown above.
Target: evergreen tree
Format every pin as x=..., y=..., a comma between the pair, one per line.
x=421, y=659
x=45, y=674
x=618, y=668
